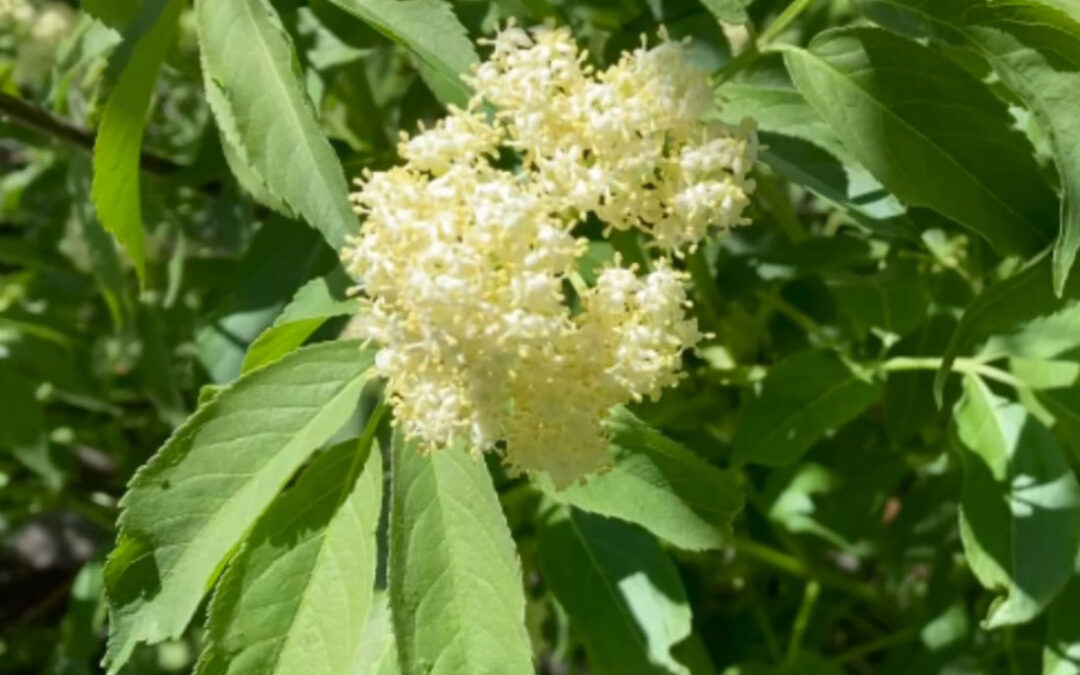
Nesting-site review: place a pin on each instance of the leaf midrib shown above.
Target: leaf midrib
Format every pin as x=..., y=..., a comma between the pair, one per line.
x=938, y=149
x=291, y=109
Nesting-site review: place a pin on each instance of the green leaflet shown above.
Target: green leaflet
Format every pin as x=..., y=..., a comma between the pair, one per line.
x=117, y=149
x=315, y=302
x=803, y=397
x=930, y=132
x=297, y=596
x=190, y=505
x=455, y=583
x=1024, y=296
x=659, y=485
x=1034, y=46
x=620, y=589
x=428, y=29
x=799, y=145
x=1020, y=505
x=283, y=255
x=249, y=56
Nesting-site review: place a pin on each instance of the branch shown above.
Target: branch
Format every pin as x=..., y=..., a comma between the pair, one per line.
x=32, y=117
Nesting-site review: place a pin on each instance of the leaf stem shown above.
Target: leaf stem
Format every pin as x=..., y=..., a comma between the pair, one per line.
x=802, y=620
x=960, y=365
x=774, y=29
x=877, y=645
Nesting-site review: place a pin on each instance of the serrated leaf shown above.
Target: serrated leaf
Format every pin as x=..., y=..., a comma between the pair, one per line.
x=1020, y=506
x=117, y=148
x=1035, y=49
x=189, y=506
x=802, y=398
x=377, y=654
x=250, y=57
x=800, y=146
x=660, y=485
x=455, y=583
x=282, y=256
x=943, y=141
x=622, y=592
x=431, y=32
x=297, y=596
x=315, y=302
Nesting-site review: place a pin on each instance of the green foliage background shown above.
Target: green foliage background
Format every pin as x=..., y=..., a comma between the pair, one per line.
x=869, y=469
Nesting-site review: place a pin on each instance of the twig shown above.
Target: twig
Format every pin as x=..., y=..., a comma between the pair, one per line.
x=32, y=117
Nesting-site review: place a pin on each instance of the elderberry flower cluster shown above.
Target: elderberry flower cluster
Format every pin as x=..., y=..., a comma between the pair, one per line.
x=465, y=258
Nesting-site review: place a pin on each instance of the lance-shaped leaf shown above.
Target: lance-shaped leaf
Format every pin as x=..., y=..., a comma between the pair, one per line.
x=455, y=583
x=1020, y=505
x=118, y=146
x=660, y=485
x=930, y=132
x=297, y=596
x=431, y=32
x=800, y=146
x=1034, y=47
x=315, y=302
x=802, y=398
x=191, y=504
x=622, y=592
x=265, y=111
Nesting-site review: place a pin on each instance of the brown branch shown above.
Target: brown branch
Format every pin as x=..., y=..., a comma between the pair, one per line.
x=32, y=117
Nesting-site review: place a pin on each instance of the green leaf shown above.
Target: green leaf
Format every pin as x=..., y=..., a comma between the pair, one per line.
x=117, y=148
x=800, y=146
x=728, y=11
x=894, y=301
x=908, y=406
x=1061, y=653
x=1035, y=50
x=801, y=399
x=943, y=141
x=622, y=592
x=659, y=485
x=283, y=255
x=297, y=596
x=1024, y=296
x=431, y=32
x=22, y=425
x=248, y=55
x=315, y=302
x=102, y=249
x=1020, y=506
x=190, y=505
x=377, y=654
x=1052, y=394
x=455, y=584
x=115, y=13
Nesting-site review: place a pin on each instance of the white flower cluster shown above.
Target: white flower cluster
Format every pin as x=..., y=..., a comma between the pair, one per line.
x=464, y=264
x=15, y=12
